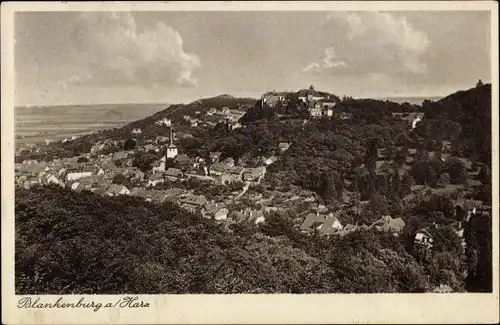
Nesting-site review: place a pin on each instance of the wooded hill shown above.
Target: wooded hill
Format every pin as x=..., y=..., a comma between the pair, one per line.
x=81, y=243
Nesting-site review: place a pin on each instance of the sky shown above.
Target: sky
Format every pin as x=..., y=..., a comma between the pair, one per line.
x=171, y=57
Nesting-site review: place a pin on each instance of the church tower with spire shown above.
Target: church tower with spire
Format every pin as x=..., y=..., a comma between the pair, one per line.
x=171, y=149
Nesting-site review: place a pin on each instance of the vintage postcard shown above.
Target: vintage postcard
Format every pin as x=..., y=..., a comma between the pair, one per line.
x=250, y=162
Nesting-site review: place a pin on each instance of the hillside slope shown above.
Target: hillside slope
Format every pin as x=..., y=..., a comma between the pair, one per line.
x=70, y=243
x=470, y=111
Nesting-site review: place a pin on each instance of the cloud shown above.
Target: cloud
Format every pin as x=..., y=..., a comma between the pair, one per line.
x=374, y=43
x=312, y=67
x=329, y=61
x=117, y=53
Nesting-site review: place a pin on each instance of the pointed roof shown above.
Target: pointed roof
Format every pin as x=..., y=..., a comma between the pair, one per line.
x=116, y=188
x=284, y=145
x=173, y=192
x=174, y=172
x=171, y=145
x=328, y=225
x=155, y=177
x=306, y=92
x=426, y=232
x=198, y=200
x=310, y=219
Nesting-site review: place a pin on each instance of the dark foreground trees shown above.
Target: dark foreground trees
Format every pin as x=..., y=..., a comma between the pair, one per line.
x=81, y=243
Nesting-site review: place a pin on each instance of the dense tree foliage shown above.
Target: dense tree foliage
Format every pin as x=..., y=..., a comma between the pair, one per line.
x=85, y=244
x=129, y=144
x=465, y=118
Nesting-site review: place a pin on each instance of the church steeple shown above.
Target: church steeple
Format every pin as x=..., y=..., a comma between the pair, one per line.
x=171, y=137
x=171, y=149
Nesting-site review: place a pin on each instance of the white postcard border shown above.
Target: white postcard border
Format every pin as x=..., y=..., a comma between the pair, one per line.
x=328, y=308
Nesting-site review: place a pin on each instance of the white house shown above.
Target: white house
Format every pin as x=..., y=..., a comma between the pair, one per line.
x=215, y=211
x=160, y=166
x=424, y=239
x=117, y=189
x=331, y=225
x=283, y=146
x=50, y=179
x=77, y=174
x=155, y=179
x=165, y=121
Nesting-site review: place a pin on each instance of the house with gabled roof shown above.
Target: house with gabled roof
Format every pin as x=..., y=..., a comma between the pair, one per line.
x=90, y=181
x=193, y=203
x=272, y=98
x=155, y=179
x=173, y=174
x=199, y=175
x=183, y=161
x=50, y=179
x=254, y=175
x=235, y=114
x=249, y=215
x=424, y=239
x=389, y=225
x=307, y=95
x=74, y=174
x=138, y=191
x=156, y=196
x=312, y=221
x=158, y=166
x=216, y=211
x=327, y=103
x=118, y=189
x=331, y=225
x=256, y=217
x=283, y=146
x=225, y=174
x=224, y=111
x=172, y=193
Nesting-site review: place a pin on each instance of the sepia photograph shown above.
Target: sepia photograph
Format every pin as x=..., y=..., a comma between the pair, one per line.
x=236, y=152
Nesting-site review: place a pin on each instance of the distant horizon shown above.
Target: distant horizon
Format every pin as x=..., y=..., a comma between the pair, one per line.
x=191, y=101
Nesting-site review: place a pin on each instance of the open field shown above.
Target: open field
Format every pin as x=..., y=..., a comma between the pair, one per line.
x=35, y=124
